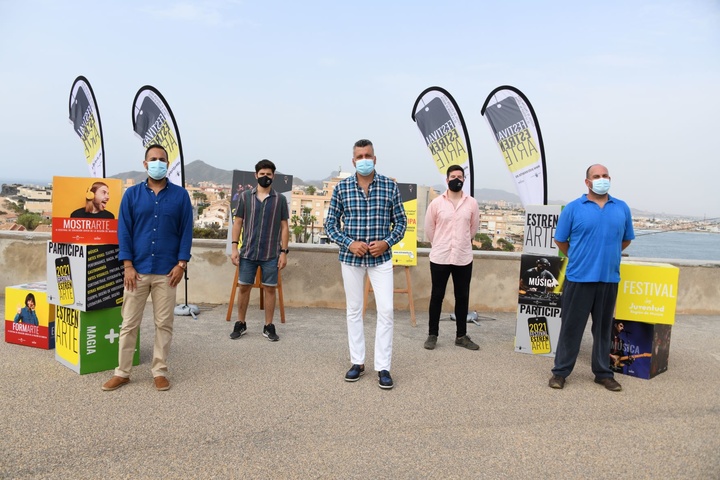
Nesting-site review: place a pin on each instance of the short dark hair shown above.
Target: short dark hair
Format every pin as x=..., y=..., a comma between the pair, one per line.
x=156, y=145
x=264, y=163
x=454, y=168
x=363, y=142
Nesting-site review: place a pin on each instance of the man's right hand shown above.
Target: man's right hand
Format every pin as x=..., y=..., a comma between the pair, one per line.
x=235, y=256
x=131, y=278
x=359, y=248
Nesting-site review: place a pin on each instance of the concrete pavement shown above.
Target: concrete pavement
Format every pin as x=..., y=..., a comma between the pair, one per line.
x=250, y=408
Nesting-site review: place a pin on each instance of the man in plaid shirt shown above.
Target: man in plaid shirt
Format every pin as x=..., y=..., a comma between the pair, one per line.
x=366, y=217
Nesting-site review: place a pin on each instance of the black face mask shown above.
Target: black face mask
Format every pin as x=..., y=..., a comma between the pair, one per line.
x=264, y=181
x=455, y=185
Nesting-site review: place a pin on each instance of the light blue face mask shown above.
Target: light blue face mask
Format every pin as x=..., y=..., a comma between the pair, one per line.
x=600, y=186
x=364, y=166
x=157, y=170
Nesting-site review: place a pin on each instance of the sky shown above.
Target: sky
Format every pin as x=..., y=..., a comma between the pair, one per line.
x=629, y=84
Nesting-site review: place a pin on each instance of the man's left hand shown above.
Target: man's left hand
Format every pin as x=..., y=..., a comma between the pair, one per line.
x=378, y=248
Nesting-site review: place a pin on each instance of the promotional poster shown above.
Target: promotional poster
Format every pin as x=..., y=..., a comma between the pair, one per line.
x=539, y=231
x=87, y=342
x=539, y=304
x=515, y=128
x=85, y=210
x=647, y=292
x=29, y=318
x=640, y=349
x=84, y=277
x=443, y=130
x=404, y=253
x=85, y=119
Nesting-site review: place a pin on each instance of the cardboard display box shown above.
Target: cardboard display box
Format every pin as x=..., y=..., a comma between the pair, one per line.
x=647, y=292
x=539, y=230
x=29, y=318
x=84, y=277
x=539, y=304
x=87, y=342
x=640, y=349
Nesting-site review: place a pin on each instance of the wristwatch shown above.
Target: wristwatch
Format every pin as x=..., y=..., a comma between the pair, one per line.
x=182, y=265
x=285, y=250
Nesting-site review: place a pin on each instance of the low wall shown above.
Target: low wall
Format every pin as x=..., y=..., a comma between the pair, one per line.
x=312, y=277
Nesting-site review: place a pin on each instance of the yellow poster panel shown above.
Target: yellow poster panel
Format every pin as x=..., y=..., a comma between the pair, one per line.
x=405, y=251
x=67, y=334
x=647, y=292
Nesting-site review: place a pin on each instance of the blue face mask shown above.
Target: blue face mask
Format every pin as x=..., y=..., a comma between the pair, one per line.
x=365, y=166
x=157, y=170
x=600, y=186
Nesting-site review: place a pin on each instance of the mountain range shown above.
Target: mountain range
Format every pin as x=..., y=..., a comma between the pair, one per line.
x=199, y=171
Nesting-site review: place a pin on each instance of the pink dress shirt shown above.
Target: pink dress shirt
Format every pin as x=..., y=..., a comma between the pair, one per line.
x=451, y=229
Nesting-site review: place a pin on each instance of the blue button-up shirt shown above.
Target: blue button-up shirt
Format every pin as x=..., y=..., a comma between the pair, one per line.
x=379, y=215
x=155, y=231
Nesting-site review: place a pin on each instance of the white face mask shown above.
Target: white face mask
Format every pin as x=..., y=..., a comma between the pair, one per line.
x=600, y=186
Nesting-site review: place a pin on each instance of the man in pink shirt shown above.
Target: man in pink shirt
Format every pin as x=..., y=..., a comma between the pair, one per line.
x=451, y=222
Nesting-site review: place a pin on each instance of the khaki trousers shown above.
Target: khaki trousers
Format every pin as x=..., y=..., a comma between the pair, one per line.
x=163, y=301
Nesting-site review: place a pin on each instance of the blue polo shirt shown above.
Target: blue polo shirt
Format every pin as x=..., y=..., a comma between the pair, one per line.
x=155, y=231
x=595, y=235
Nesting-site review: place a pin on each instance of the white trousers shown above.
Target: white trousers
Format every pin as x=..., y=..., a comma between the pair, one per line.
x=381, y=279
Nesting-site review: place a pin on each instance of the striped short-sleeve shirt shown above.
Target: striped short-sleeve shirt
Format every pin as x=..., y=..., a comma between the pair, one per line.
x=261, y=224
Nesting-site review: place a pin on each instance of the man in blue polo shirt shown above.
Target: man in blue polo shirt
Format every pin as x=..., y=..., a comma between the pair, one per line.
x=592, y=232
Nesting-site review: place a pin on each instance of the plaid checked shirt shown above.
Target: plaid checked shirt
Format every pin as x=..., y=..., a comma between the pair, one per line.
x=378, y=216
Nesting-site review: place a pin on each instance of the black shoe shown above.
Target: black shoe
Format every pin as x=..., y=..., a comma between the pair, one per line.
x=269, y=333
x=557, y=382
x=355, y=372
x=609, y=383
x=385, y=380
x=239, y=330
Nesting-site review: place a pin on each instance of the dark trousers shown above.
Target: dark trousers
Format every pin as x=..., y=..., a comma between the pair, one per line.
x=580, y=300
x=439, y=275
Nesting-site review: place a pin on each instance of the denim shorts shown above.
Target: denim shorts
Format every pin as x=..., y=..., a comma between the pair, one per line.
x=248, y=270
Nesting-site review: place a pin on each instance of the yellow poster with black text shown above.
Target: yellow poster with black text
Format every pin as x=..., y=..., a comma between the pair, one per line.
x=405, y=251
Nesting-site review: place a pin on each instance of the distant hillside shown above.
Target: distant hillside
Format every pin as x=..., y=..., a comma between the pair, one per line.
x=195, y=172
x=199, y=171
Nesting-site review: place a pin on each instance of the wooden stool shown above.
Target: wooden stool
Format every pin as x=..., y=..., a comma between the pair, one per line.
x=257, y=284
x=407, y=290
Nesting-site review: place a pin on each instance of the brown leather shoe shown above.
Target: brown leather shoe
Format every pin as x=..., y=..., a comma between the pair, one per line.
x=609, y=383
x=162, y=383
x=556, y=381
x=114, y=383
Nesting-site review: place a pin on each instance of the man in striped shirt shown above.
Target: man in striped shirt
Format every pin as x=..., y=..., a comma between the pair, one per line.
x=262, y=217
x=366, y=217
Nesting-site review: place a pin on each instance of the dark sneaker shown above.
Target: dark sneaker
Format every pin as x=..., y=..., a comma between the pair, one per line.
x=557, y=382
x=609, y=383
x=385, y=380
x=239, y=330
x=465, y=342
x=430, y=342
x=355, y=372
x=269, y=333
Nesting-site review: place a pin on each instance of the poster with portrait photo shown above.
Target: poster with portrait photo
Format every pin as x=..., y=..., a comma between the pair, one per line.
x=85, y=210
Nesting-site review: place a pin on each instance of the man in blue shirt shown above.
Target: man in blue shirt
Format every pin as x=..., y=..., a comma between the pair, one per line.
x=365, y=218
x=592, y=232
x=155, y=228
